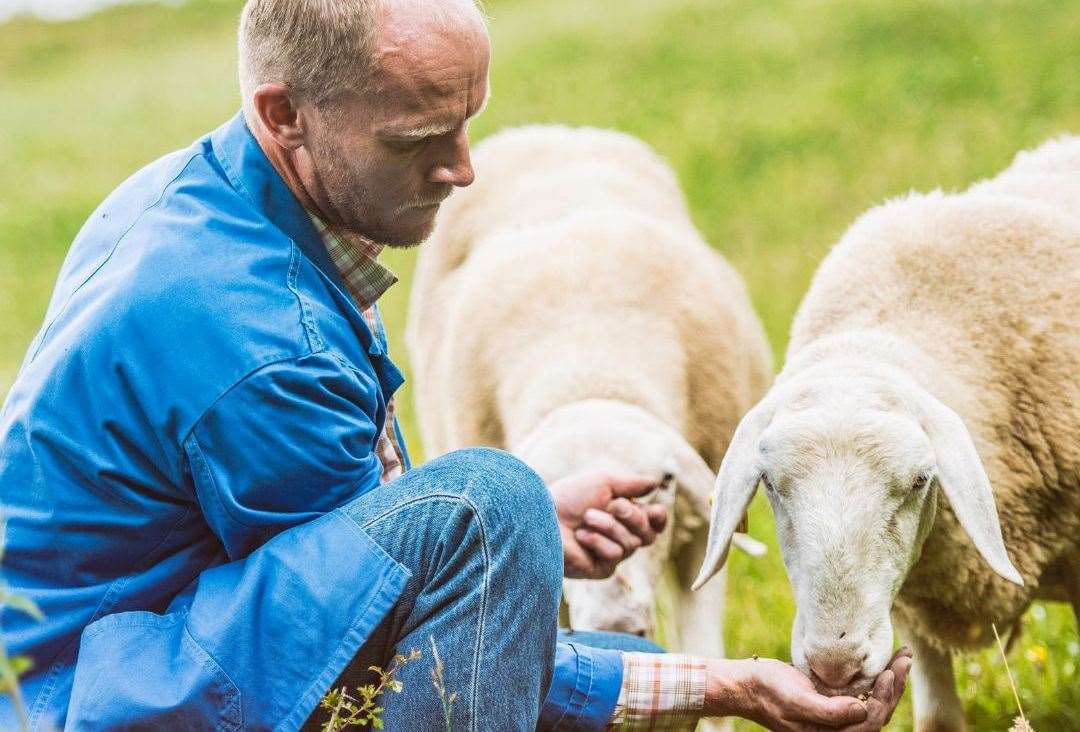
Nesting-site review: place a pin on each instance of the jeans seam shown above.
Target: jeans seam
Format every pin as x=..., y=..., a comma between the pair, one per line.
x=484, y=595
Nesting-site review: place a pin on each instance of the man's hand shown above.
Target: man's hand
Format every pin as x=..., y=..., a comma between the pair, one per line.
x=888, y=688
x=778, y=696
x=600, y=525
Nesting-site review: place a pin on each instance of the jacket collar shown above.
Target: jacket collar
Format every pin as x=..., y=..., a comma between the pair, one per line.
x=254, y=177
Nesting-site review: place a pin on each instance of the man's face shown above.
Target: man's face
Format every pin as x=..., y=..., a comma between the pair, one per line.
x=382, y=161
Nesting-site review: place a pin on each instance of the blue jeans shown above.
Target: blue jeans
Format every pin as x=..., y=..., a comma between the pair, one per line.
x=477, y=530
x=614, y=641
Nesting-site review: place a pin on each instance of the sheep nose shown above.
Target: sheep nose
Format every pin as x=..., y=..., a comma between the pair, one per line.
x=833, y=671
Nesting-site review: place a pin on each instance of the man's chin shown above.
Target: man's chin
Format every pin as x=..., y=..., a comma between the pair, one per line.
x=402, y=244
x=407, y=239
x=411, y=238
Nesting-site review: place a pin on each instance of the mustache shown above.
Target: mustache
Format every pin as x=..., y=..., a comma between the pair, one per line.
x=434, y=200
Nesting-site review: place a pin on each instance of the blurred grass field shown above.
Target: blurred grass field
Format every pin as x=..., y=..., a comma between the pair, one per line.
x=784, y=120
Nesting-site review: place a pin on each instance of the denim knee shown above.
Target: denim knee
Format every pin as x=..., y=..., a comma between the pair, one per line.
x=512, y=501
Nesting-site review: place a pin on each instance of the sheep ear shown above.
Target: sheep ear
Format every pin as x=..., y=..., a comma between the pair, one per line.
x=965, y=484
x=740, y=472
x=694, y=476
x=698, y=480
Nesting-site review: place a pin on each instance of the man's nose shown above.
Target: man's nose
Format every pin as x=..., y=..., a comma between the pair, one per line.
x=455, y=168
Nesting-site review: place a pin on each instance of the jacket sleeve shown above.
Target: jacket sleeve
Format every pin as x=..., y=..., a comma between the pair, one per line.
x=260, y=639
x=292, y=441
x=584, y=688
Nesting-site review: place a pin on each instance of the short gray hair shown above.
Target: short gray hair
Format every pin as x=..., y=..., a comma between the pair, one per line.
x=318, y=48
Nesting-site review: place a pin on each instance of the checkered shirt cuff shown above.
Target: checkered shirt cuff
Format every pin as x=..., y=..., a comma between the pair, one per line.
x=660, y=691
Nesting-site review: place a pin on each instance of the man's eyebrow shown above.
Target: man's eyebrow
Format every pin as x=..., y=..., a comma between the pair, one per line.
x=434, y=129
x=423, y=132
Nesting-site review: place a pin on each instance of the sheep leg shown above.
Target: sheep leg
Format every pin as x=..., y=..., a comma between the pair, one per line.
x=1072, y=586
x=933, y=690
x=1074, y=599
x=701, y=615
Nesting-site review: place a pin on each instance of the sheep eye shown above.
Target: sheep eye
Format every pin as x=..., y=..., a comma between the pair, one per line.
x=920, y=483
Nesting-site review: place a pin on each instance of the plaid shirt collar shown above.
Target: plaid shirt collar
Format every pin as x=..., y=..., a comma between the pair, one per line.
x=356, y=260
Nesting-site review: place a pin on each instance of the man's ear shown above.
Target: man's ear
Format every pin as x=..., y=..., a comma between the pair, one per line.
x=279, y=115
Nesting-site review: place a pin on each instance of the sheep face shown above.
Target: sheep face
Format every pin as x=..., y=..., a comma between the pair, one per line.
x=612, y=436
x=854, y=465
x=626, y=601
x=851, y=489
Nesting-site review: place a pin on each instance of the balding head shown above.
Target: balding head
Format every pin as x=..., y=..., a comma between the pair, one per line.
x=363, y=106
x=321, y=49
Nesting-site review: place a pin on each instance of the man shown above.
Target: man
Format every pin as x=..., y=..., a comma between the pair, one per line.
x=205, y=485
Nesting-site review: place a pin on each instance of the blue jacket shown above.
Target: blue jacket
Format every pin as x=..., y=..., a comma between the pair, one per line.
x=203, y=383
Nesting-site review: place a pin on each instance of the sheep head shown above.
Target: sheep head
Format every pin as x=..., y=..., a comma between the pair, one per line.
x=600, y=434
x=853, y=465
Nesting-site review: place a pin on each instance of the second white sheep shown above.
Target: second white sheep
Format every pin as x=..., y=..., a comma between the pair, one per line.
x=566, y=309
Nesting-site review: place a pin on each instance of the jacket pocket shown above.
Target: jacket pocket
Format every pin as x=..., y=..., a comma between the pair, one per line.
x=143, y=671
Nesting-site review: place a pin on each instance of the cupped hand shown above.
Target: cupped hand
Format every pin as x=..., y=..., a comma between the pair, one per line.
x=778, y=696
x=888, y=689
x=600, y=525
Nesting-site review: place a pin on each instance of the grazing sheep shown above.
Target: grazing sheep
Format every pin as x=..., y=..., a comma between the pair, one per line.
x=566, y=309
x=932, y=375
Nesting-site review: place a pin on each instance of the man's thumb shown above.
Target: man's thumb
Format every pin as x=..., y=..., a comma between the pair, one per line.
x=632, y=486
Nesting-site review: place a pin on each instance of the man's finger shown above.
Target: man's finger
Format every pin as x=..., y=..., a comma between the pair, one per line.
x=658, y=516
x=634, y=518
x=900, y=670
x=902, y=652
x=631, y=486
x=604, y=523
x=576, y=561
x=878, y=706
x=883, y=686
x=836, y=711
x=601, y=546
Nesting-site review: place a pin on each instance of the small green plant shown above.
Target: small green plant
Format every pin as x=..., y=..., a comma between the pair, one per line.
x=12, y=667
x=362, y=709
x=438, y=679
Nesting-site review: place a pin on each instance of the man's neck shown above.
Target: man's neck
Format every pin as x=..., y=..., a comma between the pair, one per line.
x=282, y=161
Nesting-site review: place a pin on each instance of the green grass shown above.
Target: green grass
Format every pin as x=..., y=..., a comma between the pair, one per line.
x=784, y=120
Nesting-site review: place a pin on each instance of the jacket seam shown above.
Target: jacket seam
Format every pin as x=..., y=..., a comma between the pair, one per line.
x=474, y=686
x=216, y=669
x=307, y=317
x=116, y=245
x=239, y=382
x=208, y=477
x=196, y=449
x=115, y=588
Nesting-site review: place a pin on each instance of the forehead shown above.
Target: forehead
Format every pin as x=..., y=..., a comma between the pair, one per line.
x=426, y=62
x=879, y=440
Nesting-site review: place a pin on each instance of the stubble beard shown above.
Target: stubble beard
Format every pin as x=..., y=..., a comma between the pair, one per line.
x=347, y=197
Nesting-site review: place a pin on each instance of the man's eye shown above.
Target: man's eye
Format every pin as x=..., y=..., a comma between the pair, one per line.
x=405, y=145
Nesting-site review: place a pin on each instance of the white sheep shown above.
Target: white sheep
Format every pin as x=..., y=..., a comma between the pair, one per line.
x=566, y=309
x=932, y=375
